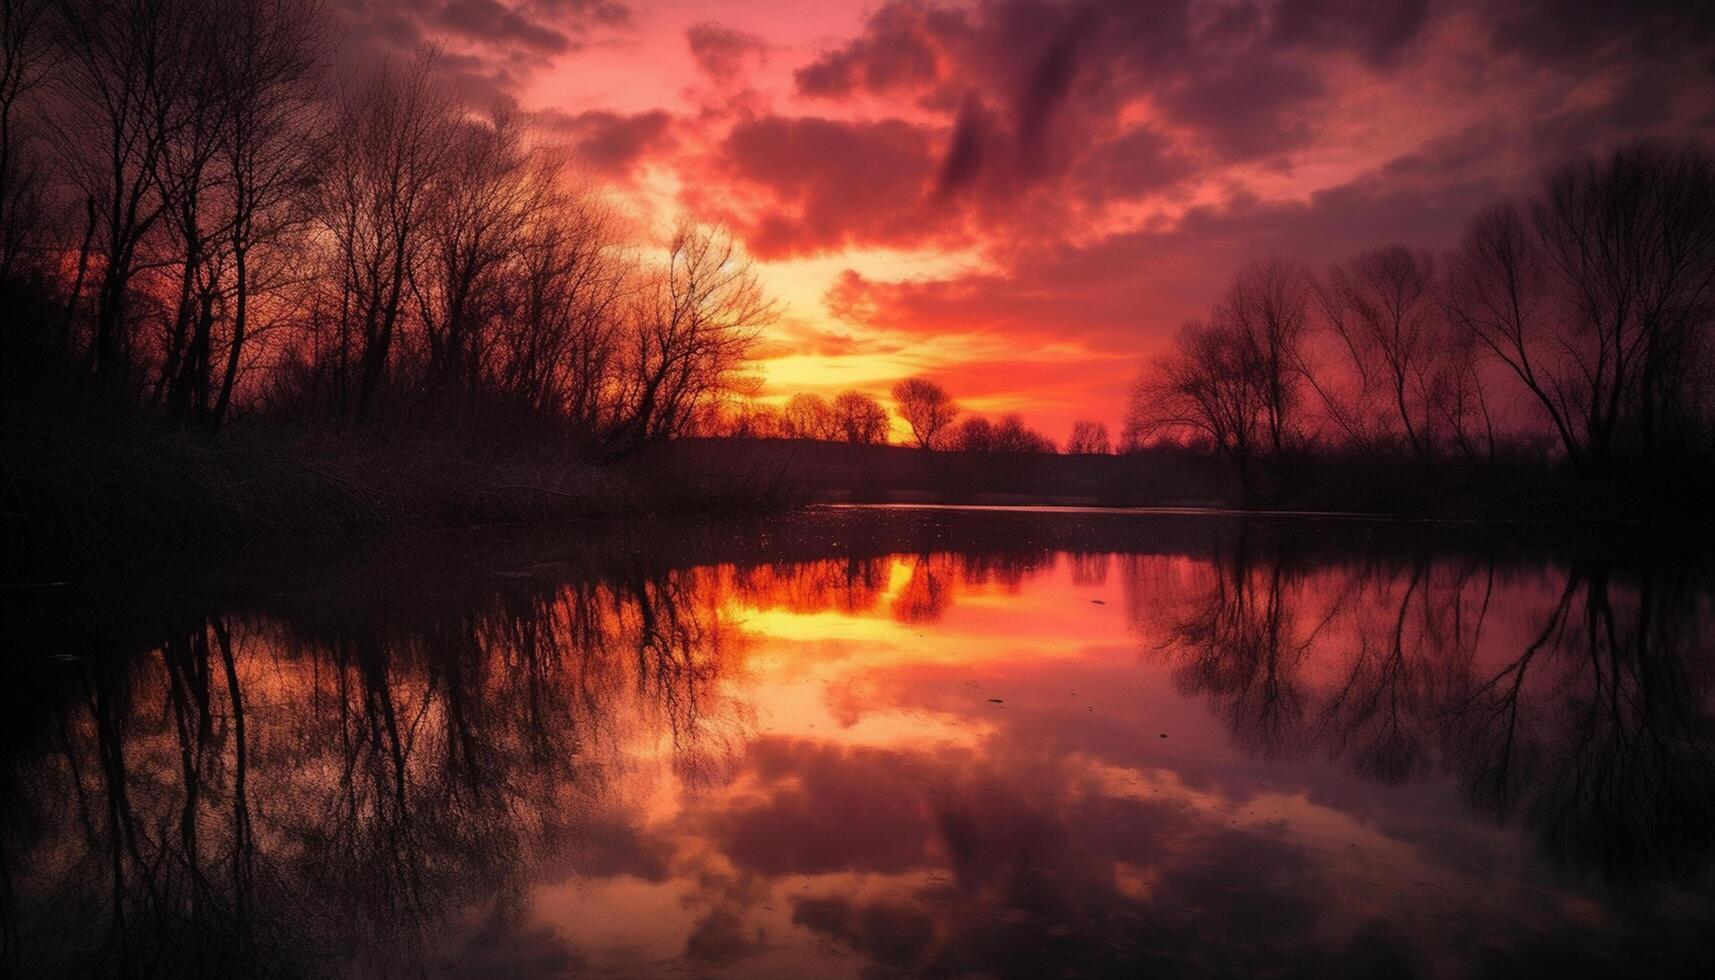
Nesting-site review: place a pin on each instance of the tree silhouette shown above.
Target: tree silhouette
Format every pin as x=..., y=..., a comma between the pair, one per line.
x=926, y=408
x=860, y=419
x=1088, y=438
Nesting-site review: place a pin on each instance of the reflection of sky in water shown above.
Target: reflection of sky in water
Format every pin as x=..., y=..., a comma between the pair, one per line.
x=948, y=764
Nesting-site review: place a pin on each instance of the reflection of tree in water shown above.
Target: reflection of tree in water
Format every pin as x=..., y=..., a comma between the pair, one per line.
x=1598, y=732
x=929, y=591
x=1411, y=633
x=1089, y=569
x=269, y=792
x=848, y=585
x=1242, y=643
x=309, y=784
x=931, y=584
x=1595, y=731
x=937, y=578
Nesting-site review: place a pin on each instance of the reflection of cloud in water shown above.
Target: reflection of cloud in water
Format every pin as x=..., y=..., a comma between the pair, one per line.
x=1377, y=759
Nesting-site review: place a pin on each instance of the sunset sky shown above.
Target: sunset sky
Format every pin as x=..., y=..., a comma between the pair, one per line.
x=1022, y=198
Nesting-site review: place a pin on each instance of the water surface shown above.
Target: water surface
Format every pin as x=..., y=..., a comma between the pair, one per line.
x=861, y=744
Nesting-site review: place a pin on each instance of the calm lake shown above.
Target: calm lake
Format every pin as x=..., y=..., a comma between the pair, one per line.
x=871, y=743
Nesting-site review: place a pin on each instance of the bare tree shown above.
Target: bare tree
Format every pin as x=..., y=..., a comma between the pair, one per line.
x=926, y=408
x=1011, y=435
x=269, y=72
x=1088, y=438
x=1630, y=241
x=976, y=434
x=394, y=137
x=1267, y=309
x=809, y=416
x=1459, y=403
x=753, y=420
x=1596, y=296
x=1233, y=381
x=404, y=245
x=693, y=327
x=127, y=63
x=488, y=196
x=1381, y=306
x=1209, y=388
x=26, y=54
x=860, y=418
x=972, y=434
x=194, y=219
x=1498, y=290
x=558, y=347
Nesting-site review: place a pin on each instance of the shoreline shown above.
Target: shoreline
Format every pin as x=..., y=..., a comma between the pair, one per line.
x=525, y=550
x=88, y=487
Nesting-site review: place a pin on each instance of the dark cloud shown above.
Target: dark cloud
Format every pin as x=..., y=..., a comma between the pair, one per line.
x=1043, y=131
x=1248, y=109
x=489, y=47
x=1379, y=32
x=972, y=143
x=611, y=143
x=1628, y=70
x=1140, y=162
x=492, y=22
x=609, y=849
x=481, y=81
x=1031, y=844
x=1570, y=33
x=1049, y=81
x=721, y=52
x=502, y=949
x=1065, y=74
x=1140, y=283
x=1034, y=90
x=720, y=938
x=827, y=183
x=806, y=825
x=905, y=46
x=888, y=932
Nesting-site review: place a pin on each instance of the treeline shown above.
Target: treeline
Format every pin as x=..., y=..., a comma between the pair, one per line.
x=1570, y=328
x=851, y=416
x=931, y=416
x=201, y=220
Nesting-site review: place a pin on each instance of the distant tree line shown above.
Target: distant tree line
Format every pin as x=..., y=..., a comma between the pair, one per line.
x=932, y=421
x=1573, y=325
x=200, y=219
x=851, y=417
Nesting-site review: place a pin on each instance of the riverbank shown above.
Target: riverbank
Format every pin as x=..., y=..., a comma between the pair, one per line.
x=94, y=484
x=431, y=568
x=1504, y=489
